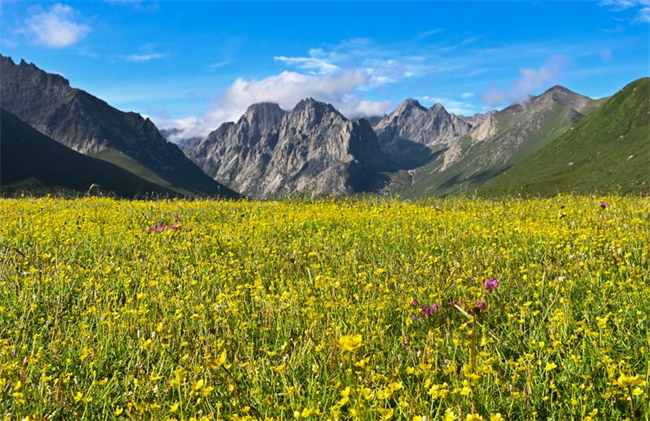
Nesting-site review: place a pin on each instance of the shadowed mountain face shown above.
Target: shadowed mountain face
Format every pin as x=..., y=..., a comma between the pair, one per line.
x=607, y=151
x=311, y=150
x=89, y=125
x=487, y=144
x=31, y=161
x=411, y=133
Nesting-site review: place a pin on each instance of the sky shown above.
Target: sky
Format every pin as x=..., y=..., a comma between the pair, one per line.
x=194, y=65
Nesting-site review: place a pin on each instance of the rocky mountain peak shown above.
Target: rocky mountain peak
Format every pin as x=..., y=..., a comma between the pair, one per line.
x=310, y=113
x=411, y=133
x=311, y=104
x=407, y=106
x=29, y=73
x=564, y=97
x=437, y=108
x=262, y=117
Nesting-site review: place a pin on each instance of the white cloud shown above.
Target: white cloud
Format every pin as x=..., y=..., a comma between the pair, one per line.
x=466, y=95
x=287, y=89
x=642, y=6
x=219, y=64
x=312, y=64
x=643, y=15
x=530, y=80
x=56, y=28
x=142, y=58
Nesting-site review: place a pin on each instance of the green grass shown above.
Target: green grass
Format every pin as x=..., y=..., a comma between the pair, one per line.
x=124, y=161
x=608, y=151
x=252, y=309
x=479, y=162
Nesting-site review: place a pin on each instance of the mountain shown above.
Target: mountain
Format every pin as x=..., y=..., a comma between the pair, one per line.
x=607, y=151
x=410, y=134
x=32, y=162
x=89, y=125
x=175, y=135
x=313, y=149
x=491, y=144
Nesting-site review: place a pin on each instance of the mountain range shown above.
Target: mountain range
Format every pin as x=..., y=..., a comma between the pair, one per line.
x=314, y=150
x=90, y=126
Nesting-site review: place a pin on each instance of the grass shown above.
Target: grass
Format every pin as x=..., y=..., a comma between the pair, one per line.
x=118, y=158
x=608, y=151
x=305, y=309
x=32, y=162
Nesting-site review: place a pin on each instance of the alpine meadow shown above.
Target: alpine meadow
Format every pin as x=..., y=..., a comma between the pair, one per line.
x=311, y=210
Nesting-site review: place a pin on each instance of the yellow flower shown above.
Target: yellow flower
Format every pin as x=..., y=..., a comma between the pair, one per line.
x=386, y=414
x=637, y=391
x=450, y=415
x=349, y=342
x=627, y=381
x=550, y=366
x=174, y=407
x=118, y=411
x=217, y=362
x=496, y=417
x=474, y=417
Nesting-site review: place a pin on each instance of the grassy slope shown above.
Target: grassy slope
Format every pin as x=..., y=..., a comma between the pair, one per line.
x=32, y=162
x=122, y=160
x=609, y=150
x=463, y=175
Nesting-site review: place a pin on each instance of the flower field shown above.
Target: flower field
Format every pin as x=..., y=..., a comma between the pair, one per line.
x=457, y=309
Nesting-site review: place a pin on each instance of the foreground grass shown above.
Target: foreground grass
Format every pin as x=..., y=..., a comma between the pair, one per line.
x=325, y=310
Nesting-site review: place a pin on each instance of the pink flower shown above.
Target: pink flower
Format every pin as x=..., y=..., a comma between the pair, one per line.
x=491, y=284
x=414, y=302
x=428, y=310
x=603, y=205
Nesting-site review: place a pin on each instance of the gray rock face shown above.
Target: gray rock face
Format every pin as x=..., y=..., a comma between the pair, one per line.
x=89, y=125
x=518, y=130
x=411, y=132
x=495, y=142
x=311, y=150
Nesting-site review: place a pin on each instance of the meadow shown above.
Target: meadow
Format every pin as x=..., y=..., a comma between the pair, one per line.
x=457, y=309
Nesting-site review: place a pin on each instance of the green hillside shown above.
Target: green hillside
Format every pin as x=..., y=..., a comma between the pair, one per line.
x=31, y=162
x=608, y=151
x=521, y=131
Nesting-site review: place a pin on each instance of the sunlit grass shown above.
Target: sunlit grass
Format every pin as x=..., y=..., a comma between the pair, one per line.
x=534, y=309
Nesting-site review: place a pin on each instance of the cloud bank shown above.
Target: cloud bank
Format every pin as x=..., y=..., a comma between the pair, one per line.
x=286, y=89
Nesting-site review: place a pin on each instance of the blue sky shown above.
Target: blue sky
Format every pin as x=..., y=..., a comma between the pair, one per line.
x=197, y=64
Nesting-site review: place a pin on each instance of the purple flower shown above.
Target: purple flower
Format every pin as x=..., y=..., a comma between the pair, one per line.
x=491, y=284
x=456, y=303
x=603, y=205
x=177, y=218
x=479, y=306
x=414, y=302
x=160, y=227
x=428, y=310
